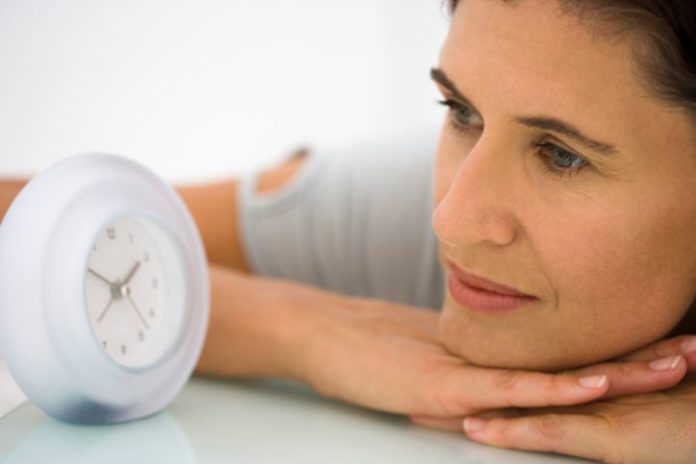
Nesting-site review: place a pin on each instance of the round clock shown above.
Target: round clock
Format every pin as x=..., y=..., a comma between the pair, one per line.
x=103, y=290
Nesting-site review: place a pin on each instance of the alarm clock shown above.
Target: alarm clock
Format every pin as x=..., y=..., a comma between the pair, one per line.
x=104, y=294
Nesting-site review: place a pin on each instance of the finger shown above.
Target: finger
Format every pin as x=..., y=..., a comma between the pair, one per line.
x=471, y=389
x=585, y=436
x=685, y=345
x=639, y=377
x=454, y=424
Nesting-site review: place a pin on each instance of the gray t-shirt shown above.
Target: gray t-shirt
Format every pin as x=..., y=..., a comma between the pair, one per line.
x=355, y=221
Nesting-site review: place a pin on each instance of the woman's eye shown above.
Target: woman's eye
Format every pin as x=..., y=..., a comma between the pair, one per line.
x=462, y=116
x=560, y=162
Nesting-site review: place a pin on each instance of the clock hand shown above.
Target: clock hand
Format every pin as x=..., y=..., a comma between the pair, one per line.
x=137, y=311
x=131, y=272
x=103, y=313
x=101, y=276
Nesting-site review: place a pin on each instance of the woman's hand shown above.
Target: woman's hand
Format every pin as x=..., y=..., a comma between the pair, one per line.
x=653, y=427
x=382, y=355
x=646, y=428
x=387, y=356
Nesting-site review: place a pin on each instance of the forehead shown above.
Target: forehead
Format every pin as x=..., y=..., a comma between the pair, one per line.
x=531, y=51
x=529, y=58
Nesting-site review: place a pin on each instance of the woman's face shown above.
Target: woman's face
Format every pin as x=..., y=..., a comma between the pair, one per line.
x=602, y=233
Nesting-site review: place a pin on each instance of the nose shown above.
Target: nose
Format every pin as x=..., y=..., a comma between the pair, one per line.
x=478, y=204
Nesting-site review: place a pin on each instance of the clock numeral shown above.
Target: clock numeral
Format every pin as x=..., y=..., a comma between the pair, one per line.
x=123, y=349
x=130, y=237
x=146, y=256
x=94, y=248
x=111, y=233
x=141, y=336
x=155, y=282
x=104, y=344
x=152, y=312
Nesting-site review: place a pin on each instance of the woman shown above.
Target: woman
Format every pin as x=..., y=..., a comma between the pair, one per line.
x=564, y=241
x=560, y=180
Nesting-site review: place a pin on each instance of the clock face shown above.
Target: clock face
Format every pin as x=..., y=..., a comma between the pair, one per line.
x=133, y=312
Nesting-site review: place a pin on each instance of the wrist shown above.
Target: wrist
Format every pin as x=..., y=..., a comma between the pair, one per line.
x=313, y=320
x=261, y=327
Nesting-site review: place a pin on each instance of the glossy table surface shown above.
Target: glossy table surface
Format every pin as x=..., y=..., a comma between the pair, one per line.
x=224, y=421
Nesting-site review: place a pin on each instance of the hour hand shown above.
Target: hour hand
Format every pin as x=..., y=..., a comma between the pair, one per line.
x=99, y=276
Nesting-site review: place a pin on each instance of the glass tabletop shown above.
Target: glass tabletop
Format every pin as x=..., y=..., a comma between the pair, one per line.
x=230, y=421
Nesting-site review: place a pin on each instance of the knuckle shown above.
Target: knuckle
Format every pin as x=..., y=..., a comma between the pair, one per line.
x=677, y=343
x=442, y=397
x=501, y=434
x=506, y=380
x=659, y=350
x=448, y=402
x=553, y=387
x=670, y=347
x=555, y=383
x=550, y=426
x=438, y=400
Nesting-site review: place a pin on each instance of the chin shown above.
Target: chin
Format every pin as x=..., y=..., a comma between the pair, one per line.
x=510, y=344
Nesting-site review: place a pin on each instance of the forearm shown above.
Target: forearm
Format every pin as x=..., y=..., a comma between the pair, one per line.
x=9, y=188
x=261, y=327
x=368, y=352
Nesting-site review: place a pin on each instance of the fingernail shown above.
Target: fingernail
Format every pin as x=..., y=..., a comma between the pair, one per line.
x=594, y=381
x=689, y=345
x=665, y=364
x=473, y=424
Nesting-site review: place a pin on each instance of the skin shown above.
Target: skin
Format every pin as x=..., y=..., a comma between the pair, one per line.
x=638, y=428
x=610, y=251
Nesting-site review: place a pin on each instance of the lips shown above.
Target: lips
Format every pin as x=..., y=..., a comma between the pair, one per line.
x=479, y=294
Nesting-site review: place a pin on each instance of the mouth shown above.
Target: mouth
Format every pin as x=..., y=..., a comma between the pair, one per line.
x=483, y=295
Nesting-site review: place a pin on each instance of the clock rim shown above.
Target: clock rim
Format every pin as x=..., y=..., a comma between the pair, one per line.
x=64, y=389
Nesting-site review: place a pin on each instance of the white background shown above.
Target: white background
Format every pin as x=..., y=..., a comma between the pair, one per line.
x=203, y=89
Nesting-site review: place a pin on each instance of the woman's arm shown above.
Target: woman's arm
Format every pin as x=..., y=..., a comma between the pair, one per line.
x=255, y=330
x=9, y=188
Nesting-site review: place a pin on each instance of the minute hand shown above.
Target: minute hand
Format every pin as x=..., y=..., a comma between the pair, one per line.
x=99, y=276
x=131, y=273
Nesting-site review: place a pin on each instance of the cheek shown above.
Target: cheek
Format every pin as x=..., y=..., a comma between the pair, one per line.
x=619, y=280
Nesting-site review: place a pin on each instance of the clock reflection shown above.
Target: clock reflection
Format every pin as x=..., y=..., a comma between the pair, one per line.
x=154, y=439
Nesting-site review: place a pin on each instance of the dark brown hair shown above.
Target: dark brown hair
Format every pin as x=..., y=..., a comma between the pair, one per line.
x=666, y=45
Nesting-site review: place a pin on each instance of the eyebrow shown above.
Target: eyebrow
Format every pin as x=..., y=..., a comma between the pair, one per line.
x=538, y=122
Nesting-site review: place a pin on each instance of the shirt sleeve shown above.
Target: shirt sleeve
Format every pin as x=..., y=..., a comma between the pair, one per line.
x=354, y=220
